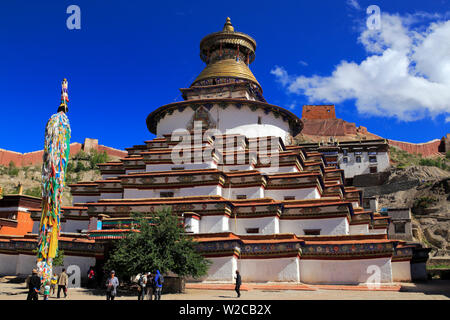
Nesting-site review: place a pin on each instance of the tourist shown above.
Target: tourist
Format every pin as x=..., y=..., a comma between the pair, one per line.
x=91, y=278
x=159, y=280
x=150, y=286
x=46, y=290
x=53, y=283
x=142, y=282
x=34, y=285
x=238, y=284
x=62, y=283
x=111, y=286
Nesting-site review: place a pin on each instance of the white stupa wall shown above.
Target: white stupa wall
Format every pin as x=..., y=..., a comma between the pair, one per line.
x=249, y=192
x=210, y=224
x=111, y=195
x=222, y=269
x=192, y=224
x=276, y=269
x=266, y=225
x=84, y=199
x=299, y=194
x=378, y=270
x=185, y=166
x=359, y=229
x=74, y=226
x=212, y=190
x=401, y=271
x=328, y=226
x=230, y=121
x=8, y=264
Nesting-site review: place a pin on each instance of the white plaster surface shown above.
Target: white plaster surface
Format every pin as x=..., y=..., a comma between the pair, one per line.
x=328, y=226
x=401, y=271
x=345, y=271
x=263, y=270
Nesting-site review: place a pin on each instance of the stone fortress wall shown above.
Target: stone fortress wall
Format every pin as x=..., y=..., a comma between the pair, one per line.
x=35, y=157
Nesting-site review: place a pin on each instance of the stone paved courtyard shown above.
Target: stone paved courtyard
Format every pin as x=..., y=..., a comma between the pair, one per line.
x=431, y=290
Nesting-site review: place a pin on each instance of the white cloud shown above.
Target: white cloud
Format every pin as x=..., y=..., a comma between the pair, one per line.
x=303, y=63
x=354, y=4
x=447, y=119
x=406, y=73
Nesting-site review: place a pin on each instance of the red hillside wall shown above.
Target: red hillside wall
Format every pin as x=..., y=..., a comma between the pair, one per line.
x=35, y=157
x=318, y=112
x=425, y=149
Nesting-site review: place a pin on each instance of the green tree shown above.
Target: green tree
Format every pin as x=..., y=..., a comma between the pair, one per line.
x=59, y=259
x=158, y=243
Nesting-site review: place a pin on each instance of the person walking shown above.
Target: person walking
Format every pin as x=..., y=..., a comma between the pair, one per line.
x=238, y=284
x=142, y=282
x=53, y=283
x=111, y=286
x=63, y=280
x=91, y=278
x=150, y=286
x=159, y=280
x=34, y=285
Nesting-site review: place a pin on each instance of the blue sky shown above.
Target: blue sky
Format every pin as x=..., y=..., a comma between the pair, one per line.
x=130, y=57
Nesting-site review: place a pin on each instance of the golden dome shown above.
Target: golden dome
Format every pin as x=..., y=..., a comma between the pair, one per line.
x=228, y=26
x=227, y=53
x=227, y=68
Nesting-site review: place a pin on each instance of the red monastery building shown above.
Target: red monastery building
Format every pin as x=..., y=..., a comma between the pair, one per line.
x=223, y=160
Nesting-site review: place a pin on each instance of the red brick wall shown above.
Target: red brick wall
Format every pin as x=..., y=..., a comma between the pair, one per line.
x=425, y=149
x=318, y=112
x=24, y=225
x=35, y=157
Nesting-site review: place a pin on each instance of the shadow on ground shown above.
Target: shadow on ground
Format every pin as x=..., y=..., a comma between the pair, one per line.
x=430, y=287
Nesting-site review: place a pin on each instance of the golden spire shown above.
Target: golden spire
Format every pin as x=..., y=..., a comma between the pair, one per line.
x=228, y=27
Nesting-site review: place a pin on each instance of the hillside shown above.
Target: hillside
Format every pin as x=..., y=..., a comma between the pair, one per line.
x=81, y=167
x=422, y=184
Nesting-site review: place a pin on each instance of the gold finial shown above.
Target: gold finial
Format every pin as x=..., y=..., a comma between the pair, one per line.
x=228, y=26
x=20, y=187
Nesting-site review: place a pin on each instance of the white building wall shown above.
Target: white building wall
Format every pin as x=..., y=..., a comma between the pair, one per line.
x=222, y=269
x=186, y=166
x=299, y=194
x=84, y=263
x=345, y=271
x=85, y=199
x=25, y=264
x=266, y=225
x=353, y=168
x=228, y=123
x=263, y=270
x=107, y=176
x=359, y=229
x=192, y=225
x=251, y=192
x=286, y=169
x=111, y=195
x=8, y=264
x=74, y=225
x=377, y=231
x=210, y=224
x=239, y=167
x=212, y=190
x=401, y=271
x=328, y=226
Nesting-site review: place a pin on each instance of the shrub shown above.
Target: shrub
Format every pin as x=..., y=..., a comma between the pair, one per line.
x=34, y=192
x=424, y=202
x=13, y=171
x=96, y=157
